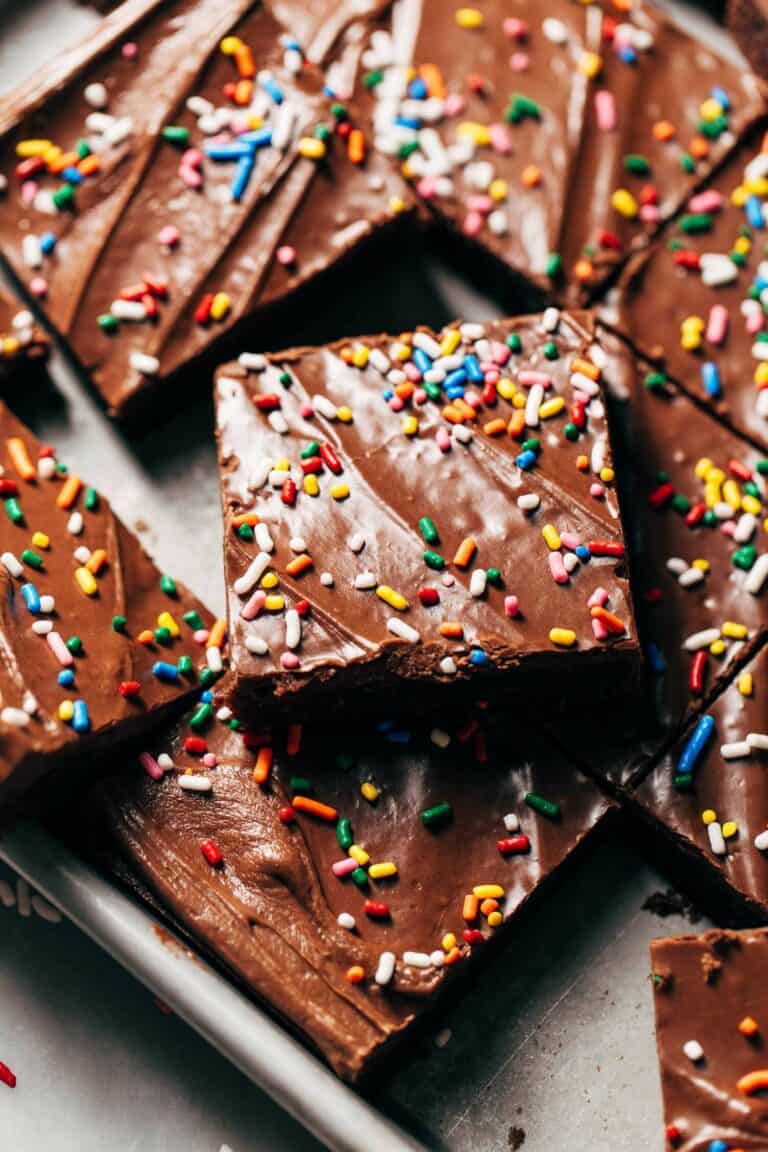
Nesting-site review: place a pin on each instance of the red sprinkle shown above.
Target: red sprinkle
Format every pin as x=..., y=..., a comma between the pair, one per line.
x=314, y=464
x=8, y=487
x=129, y=688
x=609, y=239
x=513, y=845
x=739, y=470
x=605, y=548
x=303, y=607
x=287, y=815
x=211, y=853
x=472, y=936
x=686, y=259
x=695, y=515
x=376, y=909
x=6, y=1076
x=429, y=597
x=288, y=492
x=267, y=402
x=697, y=672
x=330, y=459
x=195, y=745
x=203, y=310
x=661, y=496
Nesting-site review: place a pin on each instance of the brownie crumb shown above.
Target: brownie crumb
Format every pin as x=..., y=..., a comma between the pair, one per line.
x=516, y=1138
x=668, y=902
x=710, y=967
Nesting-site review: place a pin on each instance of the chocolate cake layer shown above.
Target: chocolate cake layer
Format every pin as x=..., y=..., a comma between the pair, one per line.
x=711, y=1004
x=424, y=510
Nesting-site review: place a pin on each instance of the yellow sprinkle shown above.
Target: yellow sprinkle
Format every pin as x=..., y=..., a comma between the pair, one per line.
x=751, y=504
x=344, y=414
x=370, y=791
x=270, y=580
x=27, y=148
x=40, y=540
x=701, y=564
x=230, y=44
x=518, y=400
x=488, y=891
x=396, y=205
x=505, y=388
x=744, y=683
x=450, y=342
x=340, y=491
x=607, y=475
x=410, y=426
x=551, y=536
x=623, y=202
x=590, y=64
x=715, y=476
x=165, y=620
x=311, y=485
x=739, y=196
x=274, y=603
x=709, y=815
x=563, y=637
x=742, y=245
x=497, y=189
x=495, y=919
x=86, y=581
x=282, y=465
x=389, y=596
x=66, y=711
x=360, y=356
x=551, y=407
x=469, y=18
x=254, y=123
x=761, y=374
x=448, y=941
x=311, y=148
x=479, y=134
x=711, y=495
x=732, y=494
x=710, y=109
x=359, y=854
x=383, y=870
x=734, y=631
x=10, y=345
x=757, y=187
x=730, y=828
x=220, y=306
x=717, y=647
x=51, y=155
x=401, y=352
x=702, y=467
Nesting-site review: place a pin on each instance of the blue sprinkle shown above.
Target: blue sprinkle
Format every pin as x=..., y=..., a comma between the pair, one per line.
x=227, y=151
x=165, y=671
x=717, y=1146
x=526, y=460
x=583, y=552
x=47, y=243
x=66, y=678
x=31, y=598
x=710, y=378
x=478, y=656
x=417, y=89
x=80, y=720
x=459, y=376
x=753, y=209
x=72, y=176
x=700, y=736
x=329, y=91
x=388, y=394
x=289, y=42
x=242, y=176
x=474, y=371
x=272, y=88
x=454, y=391
x=398, y=736
x=408, y=122
x=259, y=138
x=628, y=55
x=207, y=696
x=655, y=658
x=421, y=360
x=385, y=725
x=722, y=98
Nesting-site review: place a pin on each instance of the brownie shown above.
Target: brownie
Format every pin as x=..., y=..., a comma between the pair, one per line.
x=24, y=346
x=710, y=1002
x=747, y=20
x=407, y=513
x=694, y=304
x=345, y=882
x=97, y=645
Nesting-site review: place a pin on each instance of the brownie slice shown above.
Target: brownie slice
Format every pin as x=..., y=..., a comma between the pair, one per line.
x=711, y=1005
x=345, y=882
x=96, y=644
x=24, y=346
x=406, y=513
x=747, y=20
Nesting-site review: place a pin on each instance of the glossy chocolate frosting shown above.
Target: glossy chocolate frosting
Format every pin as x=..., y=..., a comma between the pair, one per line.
x=370, y=537
x=269, y=910
x=42, y=533
x=23, y=343
x=710, y=989
x=694, y=304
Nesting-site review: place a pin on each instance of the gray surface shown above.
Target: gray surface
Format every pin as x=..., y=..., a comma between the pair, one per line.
x=556, y=1038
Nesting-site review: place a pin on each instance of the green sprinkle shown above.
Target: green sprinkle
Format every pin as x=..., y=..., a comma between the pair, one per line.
x=639, y=165
x=407, y=149
x=570, y=431
x=312, y=449
x=695, y=222
x=344, y=833
x=201, y=717
x=193, y=619
x=32, y=559
x=514, y=343
x=709, y=519
x=554, y=265
x=682, y=781
x=433, y=390
x=522, y=108
x=436, y=815
x=175, y=134
x=711, y=129
x=687, y=163
x=13, y=508
x=119, y=623
x=234, y=724
x=493, y=575
x=322, y=132
x=434, y=560
x=64, y=196
x=762, y=467
x=655, y=380
x=62, y=469
x=543, y=806
x=339, y=111
x=301, y=786
x=551, y=351
x=168, y=586
x=207, y=675
x=91, y=499
x=371, y=79
x=245, y=532
x=185, y=666
x=533, y=444
x=83, y=149
x=428, y=530
x=360, y=877
x=107, y=322
x=744, y=557
x=737, y=258
x=75, y=645
x=751, y=489
x=680, y=504
x=285, y=379
x=163, y=636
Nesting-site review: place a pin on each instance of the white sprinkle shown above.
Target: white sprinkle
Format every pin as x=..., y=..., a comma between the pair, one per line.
x=723, y=511
x=532, y=405
x=717, y=269
x=427, y=344
x=7, y=894
x=22, y=321
x=379, y=361
x=82, y=554
x=29, y=703
x=213, y=659
x=448, y=666
x=570, y=561
x=282, y=126
x=96, y=95
x=757, y=576
x=745, y=528
x=511, y=822
x=690, y=577
x=584, y=384
x=717, y=844
x=440, y=738
x=462, y=434
x=550, y=319
x=325, y=407
x=701, y=639
x=263, y=538
x=693, y=1050
x=142, y=362
x=254, y=572
x=118, y=131
x=326, y=579
x=15, y=717
x=199, y=106
x=278, y=476
x=45, y=910
x=46, y=467
x=477, y=583
x=75, y=524
x=165, y=762
x=529, y=502
x=735, y=750
x=99, y=122
x=42, y=627
x=296, y=544
x=278, y=423
x=554, y=30
x=471, y=331
x=437, y=958
x=11, y=564
x=256, y=645
x=252, y=361
x=498, y=222
x=758, y=740
x=195, y=783
x=761, y=840
x=357, y=542
x=365, y=580
x=417, y=959
x=47, y=603
x=31, y=252
x=385, y=969
x=402, y=630
x=346, y=920
x=128, y=310
x=292, y=629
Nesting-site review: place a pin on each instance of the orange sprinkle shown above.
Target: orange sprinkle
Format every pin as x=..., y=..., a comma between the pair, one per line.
x=753, y=1081
x=611, y=622
x=347, y=355
x=664, y=130
x=489, y=906
x=62, y=161
x=452, y=414
x=516, y=425
x=698, y=148
x=243, y=93
x=356, y=974
x=748, y=1026
x=582, y=463
x=452, y=956
x=293, y=739
x=146, y=637
x=465, y=552
x=299, y=564
x=69, y=491
x=96, y=560
x=263, y=765
x=433, y=78
x=531, y=176
x=216, y=634
x=467, y=411
x=314, y=808
x=405, y=390
x=89, y=165
x=249, y=518
x=244, y=61
x=583, y=270
x=17, y=450
x=451, y=629
x=469, y=908
x=356, y=146
x=495, y=427
x=586, y=368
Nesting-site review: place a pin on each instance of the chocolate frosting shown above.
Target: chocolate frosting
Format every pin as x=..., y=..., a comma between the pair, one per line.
x=40, y=539
x=269, y=911
x=705, y=986
x=747, y=21
x=374, y=534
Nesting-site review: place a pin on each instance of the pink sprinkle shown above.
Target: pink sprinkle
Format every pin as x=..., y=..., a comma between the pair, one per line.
x=344, y=867
x=129, y=50
x=708, y=201
x=717, y=324
x=728, y=527
x=570, y=540
x=150, y=766
x=443, y=438
x=529, y=376
x=755, y=321
x=191, y=158
x=605, y=110
x=501, y=140
x=519, y=61
x=596, y=491
x=190, y=176
x=599, y=629
x=492, y=376
x=515, y=28
x=511, y=606
x=473, y=399
x=38, y=286
x=557, y=568
x=254, y=605
x=500, y=353
x=169, y=236
x=411, y=372
x=580, y=397
x=200, y=636
x=210, y=760
x=448, y=580
x=454, y=104
x=481, y=204
x=396, y=403
x=473, y=224
x=286, y=254
x=420, y=396
x=29, y=190
x=306, y=411
x=290, y=661
x=650, y=213
x=59, y=649
x=427, y=187
x=598, y=599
